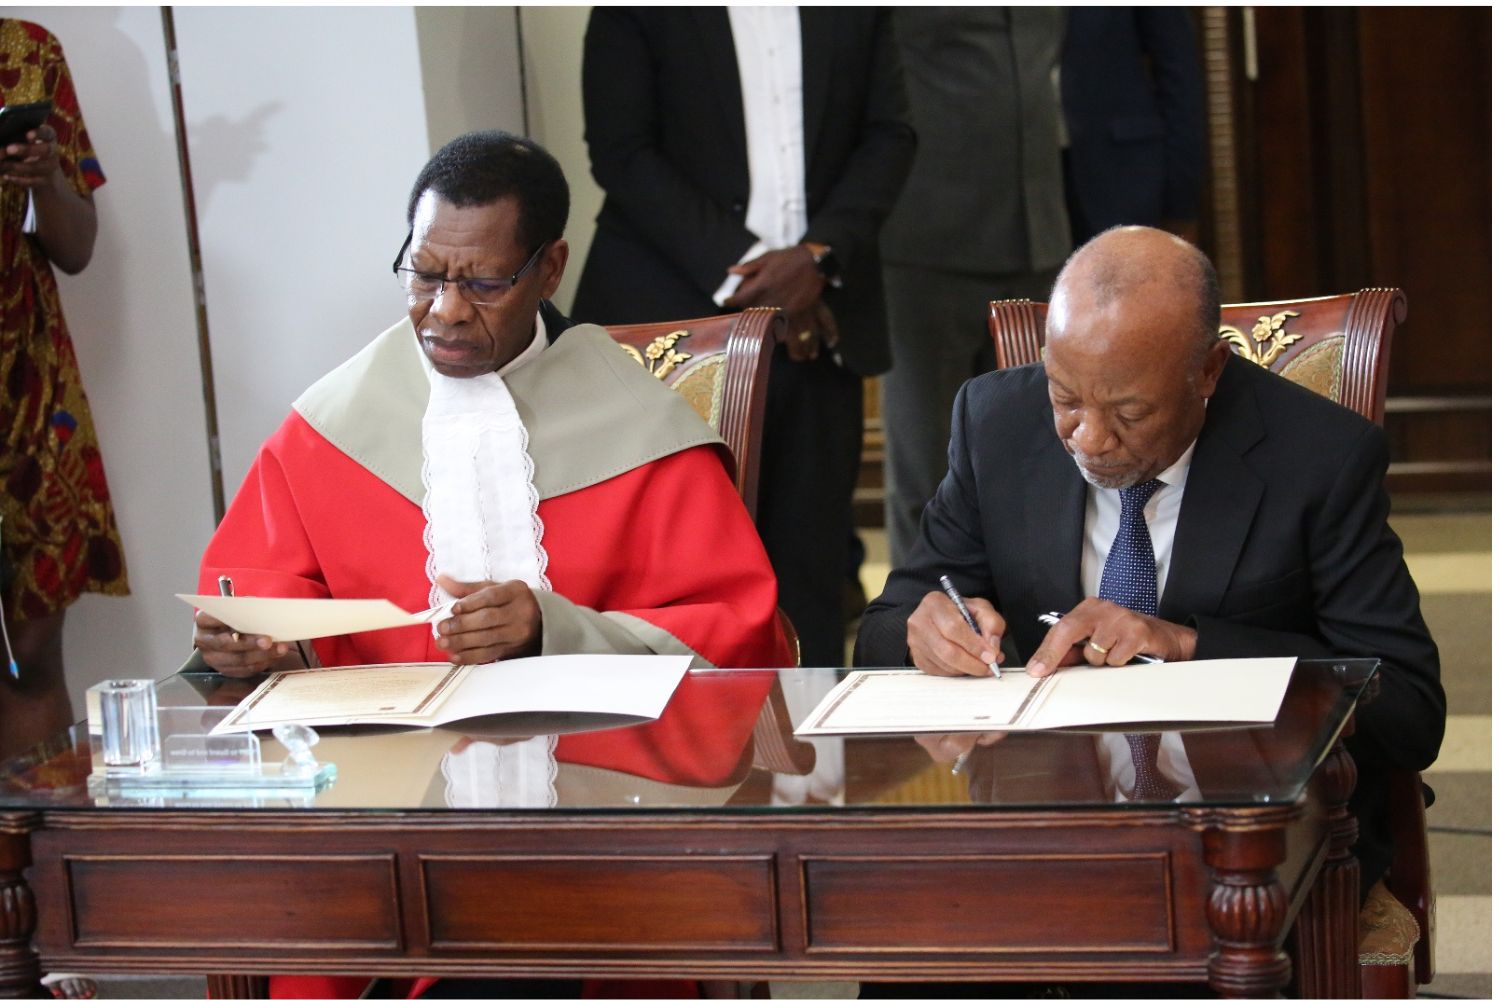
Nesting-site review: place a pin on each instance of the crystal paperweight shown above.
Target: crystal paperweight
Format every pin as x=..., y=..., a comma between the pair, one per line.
x=188, y=760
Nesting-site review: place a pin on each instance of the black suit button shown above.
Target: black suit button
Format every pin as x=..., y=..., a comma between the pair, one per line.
x=737, y=205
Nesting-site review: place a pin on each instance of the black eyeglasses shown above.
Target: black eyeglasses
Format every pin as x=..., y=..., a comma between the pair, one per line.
x=423, y=287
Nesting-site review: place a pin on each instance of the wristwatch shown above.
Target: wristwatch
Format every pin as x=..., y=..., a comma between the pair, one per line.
x=826, y=263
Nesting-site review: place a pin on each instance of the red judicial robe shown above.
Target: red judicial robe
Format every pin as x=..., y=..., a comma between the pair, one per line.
x=664, y=547
x=649, y=548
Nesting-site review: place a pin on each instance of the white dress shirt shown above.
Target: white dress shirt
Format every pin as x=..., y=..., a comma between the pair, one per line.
x=1101, y=522
x=768, y=46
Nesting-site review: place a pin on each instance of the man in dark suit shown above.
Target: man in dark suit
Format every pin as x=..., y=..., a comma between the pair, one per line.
x=1132, y=96
x=1265, y=524
x=666, y=100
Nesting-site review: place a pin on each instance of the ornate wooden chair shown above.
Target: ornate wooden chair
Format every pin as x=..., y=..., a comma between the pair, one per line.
x=722, y=365
x=1337, y=346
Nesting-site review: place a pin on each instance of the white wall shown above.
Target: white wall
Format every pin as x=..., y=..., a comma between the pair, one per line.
x=306, y=127
x=131, y=317
x=470, y=71
x=553, y=39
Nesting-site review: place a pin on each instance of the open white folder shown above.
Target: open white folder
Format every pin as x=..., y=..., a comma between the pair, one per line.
x=433, y=694
x=908, y=701
x=288, y=619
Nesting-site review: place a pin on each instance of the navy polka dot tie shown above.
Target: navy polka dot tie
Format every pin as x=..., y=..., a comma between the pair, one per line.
x=1129, y=579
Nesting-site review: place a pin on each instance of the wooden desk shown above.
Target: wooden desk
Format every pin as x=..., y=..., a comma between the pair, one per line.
x=917, y=875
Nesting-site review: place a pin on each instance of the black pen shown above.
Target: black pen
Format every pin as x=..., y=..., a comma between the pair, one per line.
x=226, y=589
x=963, y=609
x=1050, y=618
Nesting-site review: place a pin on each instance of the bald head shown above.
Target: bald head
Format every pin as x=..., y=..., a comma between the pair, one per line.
x=1142, y=268
x=1132, y=353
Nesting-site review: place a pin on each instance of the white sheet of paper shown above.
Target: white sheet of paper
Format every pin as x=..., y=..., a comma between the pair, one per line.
x=288, y=619
x=432, y=694
x=1240, y=690
x=576, y=682
x=907, y=701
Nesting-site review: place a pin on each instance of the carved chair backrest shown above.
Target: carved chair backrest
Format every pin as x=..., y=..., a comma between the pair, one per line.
x=721, y=365
x=1338, y=345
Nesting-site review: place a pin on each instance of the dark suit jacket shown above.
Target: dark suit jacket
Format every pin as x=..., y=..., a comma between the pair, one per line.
x=1282, y=546
x=664, y=120
x=1132, y=93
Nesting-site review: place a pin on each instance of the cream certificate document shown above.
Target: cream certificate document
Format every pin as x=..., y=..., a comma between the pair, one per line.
x=432, y=694
x=908, y=701
x=288, y=619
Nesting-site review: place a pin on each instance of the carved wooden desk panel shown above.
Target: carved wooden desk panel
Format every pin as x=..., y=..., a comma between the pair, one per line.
x=936, y=890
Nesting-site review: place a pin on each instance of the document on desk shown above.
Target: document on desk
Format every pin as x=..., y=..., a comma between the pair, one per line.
x=433, y=694
x=1192, y=691
x=288, y=619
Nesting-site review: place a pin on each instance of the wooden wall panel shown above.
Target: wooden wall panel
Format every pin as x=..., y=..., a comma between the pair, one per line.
x=1426, y=114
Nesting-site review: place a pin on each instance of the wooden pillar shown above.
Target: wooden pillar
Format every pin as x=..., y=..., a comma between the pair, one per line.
x=20, y=969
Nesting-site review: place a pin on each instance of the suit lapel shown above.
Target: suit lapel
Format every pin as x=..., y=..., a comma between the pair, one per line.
x=1053, y=498
x=716, y=39
x=1219, y=503
x=815, y=78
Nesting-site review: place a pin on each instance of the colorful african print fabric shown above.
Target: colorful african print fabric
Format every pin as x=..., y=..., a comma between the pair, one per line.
x=58, y=535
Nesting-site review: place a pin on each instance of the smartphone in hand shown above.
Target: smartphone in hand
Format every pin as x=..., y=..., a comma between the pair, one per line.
x=18, y=119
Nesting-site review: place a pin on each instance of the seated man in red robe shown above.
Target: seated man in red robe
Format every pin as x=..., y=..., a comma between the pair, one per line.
x=485, y=450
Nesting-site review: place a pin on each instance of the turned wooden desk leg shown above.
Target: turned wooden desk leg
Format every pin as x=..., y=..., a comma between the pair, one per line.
x=238, y=987
x=20, y=969
x=1327, y=929
x=1247, y=908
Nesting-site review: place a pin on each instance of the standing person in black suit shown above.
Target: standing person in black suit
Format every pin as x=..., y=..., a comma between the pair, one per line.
x=748, y=158
x=1264, y=524
x=1132, y=94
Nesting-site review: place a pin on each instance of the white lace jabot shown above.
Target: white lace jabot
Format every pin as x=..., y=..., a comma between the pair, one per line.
x=480, y=501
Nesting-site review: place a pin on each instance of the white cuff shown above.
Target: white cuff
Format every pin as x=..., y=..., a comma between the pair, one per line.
x=732, y=282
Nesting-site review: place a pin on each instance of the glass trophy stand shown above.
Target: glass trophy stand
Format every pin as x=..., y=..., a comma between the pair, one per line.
x=144, y=752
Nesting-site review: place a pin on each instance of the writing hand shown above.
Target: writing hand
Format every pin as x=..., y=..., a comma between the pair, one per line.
x=1102, y=633
x=941, y=642
x=235, y=655
x=491, y=621
x=954, y=748
x=788, y=278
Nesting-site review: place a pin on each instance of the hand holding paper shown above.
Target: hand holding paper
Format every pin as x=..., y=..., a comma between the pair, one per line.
x=237, y=654
x=491, y=621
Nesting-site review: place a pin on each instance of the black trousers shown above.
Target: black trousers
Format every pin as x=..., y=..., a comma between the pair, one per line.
x=811, y=442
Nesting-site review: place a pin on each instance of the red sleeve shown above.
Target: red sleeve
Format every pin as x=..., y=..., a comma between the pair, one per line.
x=672, y=544
x=262, y=543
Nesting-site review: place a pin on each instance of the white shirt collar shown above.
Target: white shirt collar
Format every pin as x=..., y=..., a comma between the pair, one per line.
x=1176, y=473
x=537, y=346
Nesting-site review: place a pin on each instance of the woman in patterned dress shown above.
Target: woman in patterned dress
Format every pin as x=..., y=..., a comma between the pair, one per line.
x=57, y=536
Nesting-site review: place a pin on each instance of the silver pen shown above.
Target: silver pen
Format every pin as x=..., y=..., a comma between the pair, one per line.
x=963, y=609
x=1050, y=618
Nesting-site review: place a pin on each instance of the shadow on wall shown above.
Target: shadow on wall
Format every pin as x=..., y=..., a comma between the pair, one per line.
x=225, y=150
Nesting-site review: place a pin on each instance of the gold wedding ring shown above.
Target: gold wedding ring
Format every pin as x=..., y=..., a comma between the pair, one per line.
x=805, y=336
x=1098, y=648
